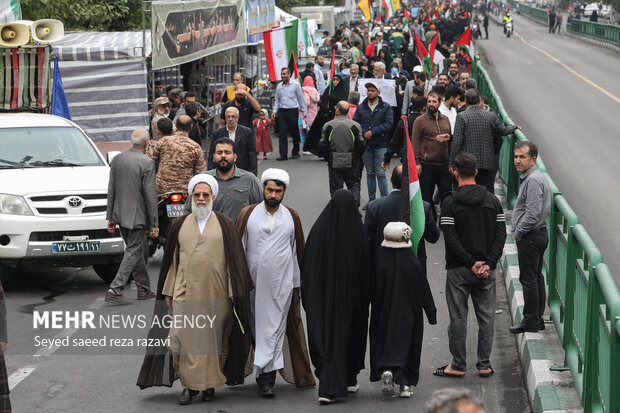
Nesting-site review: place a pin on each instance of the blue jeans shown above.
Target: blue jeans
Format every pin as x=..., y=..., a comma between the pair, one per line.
x=372, y=162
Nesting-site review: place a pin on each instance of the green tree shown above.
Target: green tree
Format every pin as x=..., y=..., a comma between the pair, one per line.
x=99, y=15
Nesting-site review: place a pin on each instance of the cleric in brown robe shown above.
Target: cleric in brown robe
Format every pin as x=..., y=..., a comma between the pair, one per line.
x=204, y=279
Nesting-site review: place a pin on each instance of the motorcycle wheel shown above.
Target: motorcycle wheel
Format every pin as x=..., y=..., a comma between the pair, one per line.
x=508, y=34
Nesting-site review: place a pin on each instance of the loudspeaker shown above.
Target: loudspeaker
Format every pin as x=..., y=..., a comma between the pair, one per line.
x=47, y=30
x=14, y=34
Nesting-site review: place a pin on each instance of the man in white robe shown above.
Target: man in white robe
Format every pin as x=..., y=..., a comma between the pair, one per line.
x=271, y=251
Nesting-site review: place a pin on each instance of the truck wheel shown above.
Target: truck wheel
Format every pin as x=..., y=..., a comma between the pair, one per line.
x=107, y=272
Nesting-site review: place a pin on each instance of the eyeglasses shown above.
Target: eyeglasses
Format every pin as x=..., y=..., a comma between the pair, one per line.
x=199, y=195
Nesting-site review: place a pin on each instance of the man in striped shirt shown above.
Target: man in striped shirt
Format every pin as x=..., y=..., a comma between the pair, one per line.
x=474, y=229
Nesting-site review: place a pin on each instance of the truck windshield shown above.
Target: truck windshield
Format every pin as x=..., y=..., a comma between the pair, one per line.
x=46, y=147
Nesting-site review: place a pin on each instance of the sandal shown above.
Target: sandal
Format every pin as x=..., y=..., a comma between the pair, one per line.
x=441, y=372
x=489, y=374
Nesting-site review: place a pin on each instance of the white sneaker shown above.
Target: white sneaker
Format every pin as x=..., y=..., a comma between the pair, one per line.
x=387, y=389
x=326, y=400
x=406, y=391
x=353, y=389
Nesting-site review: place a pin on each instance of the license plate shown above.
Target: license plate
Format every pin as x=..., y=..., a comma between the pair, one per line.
x=175, y=211
x=67, y=247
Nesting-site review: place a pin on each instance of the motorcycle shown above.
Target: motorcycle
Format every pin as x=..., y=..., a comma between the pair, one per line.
x=170, y=205
x=475, y=30
x=508, y=29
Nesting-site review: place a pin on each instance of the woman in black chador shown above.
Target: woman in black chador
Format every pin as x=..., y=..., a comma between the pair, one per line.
x=399, y=293
x=335, y=277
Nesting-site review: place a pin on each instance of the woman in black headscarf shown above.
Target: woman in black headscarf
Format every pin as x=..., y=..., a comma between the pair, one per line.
x=335, y=277
x=337, y=91
x=399, y=292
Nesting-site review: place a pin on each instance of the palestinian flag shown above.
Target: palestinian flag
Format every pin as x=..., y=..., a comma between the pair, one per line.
x=423, y=54
x=406, y=17
x=412, y=208
x=280, y=43
x=379, y=18
x=292, y=66
x=331, y=69
x=467, y=41
x=435, y=58
x=389, y=8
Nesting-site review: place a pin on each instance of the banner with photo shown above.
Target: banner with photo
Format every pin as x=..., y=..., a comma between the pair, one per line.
x=188, y=30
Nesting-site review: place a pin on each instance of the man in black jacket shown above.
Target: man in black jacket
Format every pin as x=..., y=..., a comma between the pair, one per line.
x=474, y=228
x=245, y=144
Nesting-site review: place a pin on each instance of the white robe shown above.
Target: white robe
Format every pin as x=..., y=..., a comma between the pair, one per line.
x=272, y=260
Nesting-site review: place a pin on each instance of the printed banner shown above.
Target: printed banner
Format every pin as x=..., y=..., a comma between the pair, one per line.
x=386, y=89
x=271, y=13
x=253, y=17
x=186, y=31
x=261, y=16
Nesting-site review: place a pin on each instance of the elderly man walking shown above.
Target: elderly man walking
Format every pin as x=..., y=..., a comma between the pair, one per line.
x=530, y=232
x=273, y=239
x=132, y=205
x=204, y=280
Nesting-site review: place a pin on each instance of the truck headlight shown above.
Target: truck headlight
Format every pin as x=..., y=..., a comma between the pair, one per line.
x=14, y=205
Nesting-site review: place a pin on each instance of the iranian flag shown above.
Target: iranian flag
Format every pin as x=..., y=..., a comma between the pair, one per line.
x=436, y=58
x=412, y=209
x=467, y=41
x=280, y=43
x=423, y=54
x=302, y=38
x=389, y=8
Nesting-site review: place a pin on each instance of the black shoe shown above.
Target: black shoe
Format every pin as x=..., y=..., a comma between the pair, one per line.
x=208, y=395
x=266, y=392
x=282, y=158
x=295, y=156
x=187, y=396
x=523, y=327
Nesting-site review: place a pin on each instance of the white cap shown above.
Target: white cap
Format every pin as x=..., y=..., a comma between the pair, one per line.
x=396, y=235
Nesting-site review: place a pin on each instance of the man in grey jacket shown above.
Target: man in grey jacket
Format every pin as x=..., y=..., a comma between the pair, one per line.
x=530, y=232
x=132, y=204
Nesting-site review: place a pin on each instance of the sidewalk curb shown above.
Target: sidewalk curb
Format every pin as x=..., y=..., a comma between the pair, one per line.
x=549, y=391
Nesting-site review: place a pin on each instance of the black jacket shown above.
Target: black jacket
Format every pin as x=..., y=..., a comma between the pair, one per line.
x=245, y=147
x=474, y=227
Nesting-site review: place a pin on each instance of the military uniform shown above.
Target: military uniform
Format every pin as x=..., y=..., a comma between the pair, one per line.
x=179, y=159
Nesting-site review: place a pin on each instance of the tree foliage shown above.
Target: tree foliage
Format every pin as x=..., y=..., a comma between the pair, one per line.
x=99, y=15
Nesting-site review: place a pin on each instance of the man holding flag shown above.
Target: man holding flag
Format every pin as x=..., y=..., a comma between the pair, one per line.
x=474, y=228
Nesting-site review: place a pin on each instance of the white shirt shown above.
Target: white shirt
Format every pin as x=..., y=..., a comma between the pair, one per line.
x=232, y=134
x=450, y=113
x=271, y=219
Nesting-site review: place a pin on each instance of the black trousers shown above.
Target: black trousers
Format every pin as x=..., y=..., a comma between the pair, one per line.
x=351, y=177
x=288, y=123
x=435, y=175
x=486, y=32
x=486, y=177
x=530, y=249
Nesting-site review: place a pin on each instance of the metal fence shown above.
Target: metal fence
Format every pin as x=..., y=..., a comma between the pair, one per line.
x=582, y=295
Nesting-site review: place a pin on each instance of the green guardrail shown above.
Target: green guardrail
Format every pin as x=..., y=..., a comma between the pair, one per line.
x=583, y=298
x=538, y=14
x=608, y=33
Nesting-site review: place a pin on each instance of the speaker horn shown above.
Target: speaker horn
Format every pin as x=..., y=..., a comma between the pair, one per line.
x=14, y=34
x=47, y=30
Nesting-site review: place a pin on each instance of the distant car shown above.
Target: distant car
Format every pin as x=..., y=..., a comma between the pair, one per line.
x=606, y=11
x=587, y=11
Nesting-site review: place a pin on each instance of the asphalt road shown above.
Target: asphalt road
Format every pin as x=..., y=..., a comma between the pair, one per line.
x=103, y=379
x=566, y=96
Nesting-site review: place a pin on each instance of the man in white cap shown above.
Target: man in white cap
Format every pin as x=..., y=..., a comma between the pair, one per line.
x=161, y=109
x=407, y=94
x=274, y=241
x=205, y=281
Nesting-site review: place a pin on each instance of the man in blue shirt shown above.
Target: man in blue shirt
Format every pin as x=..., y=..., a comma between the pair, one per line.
x=289, y=99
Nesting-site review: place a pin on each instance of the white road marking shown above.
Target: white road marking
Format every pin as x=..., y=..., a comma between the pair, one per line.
x=19, y=375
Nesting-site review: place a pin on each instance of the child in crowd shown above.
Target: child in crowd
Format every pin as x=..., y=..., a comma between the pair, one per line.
x=263, y=137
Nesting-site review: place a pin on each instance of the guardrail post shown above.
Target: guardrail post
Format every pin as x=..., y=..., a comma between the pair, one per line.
x=550, y=253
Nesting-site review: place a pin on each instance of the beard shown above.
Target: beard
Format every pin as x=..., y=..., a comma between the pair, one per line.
x=271, y=202
x=240, y=100
x=163, y=112
x=202, y=211
x=223, y=165
x=432, y=110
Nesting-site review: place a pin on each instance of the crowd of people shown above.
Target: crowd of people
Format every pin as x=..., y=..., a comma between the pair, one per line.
x=241, y=254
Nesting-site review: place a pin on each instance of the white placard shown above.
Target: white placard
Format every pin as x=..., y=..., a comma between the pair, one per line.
x=386, y=87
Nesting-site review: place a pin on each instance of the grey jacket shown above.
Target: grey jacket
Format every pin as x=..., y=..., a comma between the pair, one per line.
x=533, y=203
x=132, y=197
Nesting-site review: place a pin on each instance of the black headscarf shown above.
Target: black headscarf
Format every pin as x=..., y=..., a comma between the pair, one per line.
x=335, y=277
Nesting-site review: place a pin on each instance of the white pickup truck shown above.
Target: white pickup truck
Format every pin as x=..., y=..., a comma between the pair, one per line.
x=53, y=192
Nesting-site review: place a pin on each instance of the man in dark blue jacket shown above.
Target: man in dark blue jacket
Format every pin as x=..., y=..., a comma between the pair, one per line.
x=375, y=117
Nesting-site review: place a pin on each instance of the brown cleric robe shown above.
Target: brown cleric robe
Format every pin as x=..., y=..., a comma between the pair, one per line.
x=158, y=365
x=297, y=368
